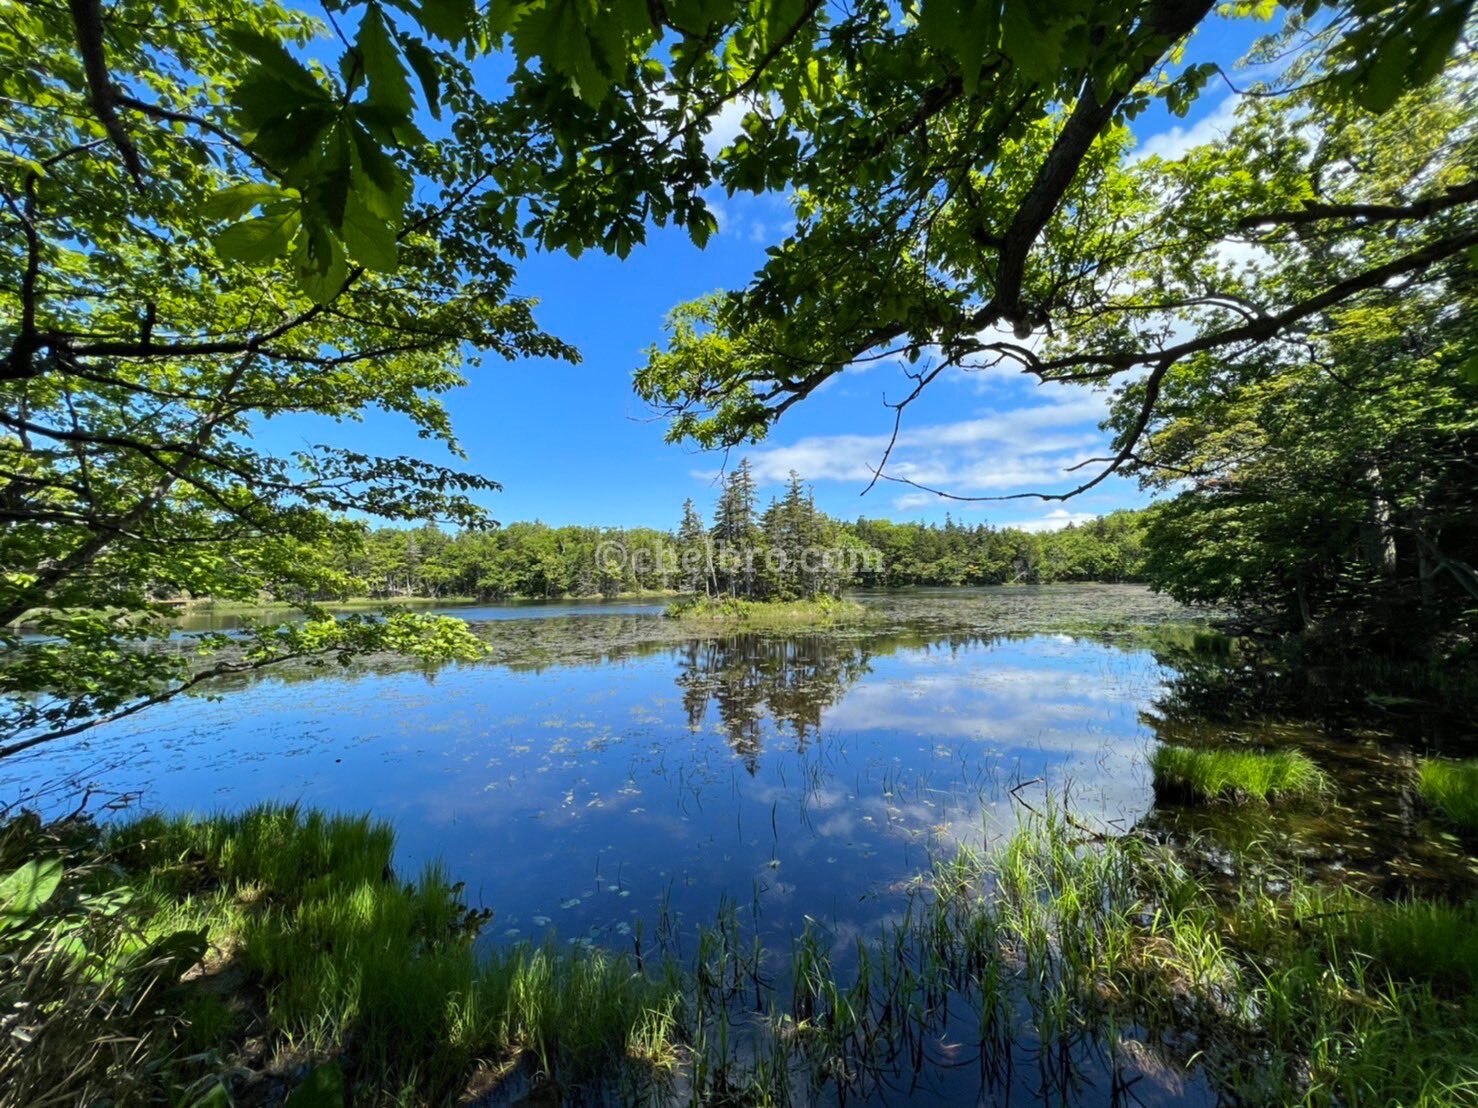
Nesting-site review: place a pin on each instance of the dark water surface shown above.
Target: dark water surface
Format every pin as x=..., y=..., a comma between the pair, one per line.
x=606, y=771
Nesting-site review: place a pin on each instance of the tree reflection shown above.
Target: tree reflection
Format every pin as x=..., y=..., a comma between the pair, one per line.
x=791, y=680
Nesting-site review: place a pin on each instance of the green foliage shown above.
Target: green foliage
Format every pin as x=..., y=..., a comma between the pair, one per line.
x=325, y=951
x=962, y=181
x=1452, y=789
x=536, y=560
x=1327, y=486
x=1203, y=775
x=643, y=84
x=738, y=612
x=142, y=349
x=1110, y=548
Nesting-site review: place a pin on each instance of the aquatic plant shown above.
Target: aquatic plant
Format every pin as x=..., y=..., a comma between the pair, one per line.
x=1452, y=789
x=738, y=612
x=276, y=941
x=290, y=928
x=1186, y=773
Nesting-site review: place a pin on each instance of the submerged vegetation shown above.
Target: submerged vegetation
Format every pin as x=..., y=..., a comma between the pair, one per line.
x=164, y=958
x=1187, y=773
x=1452, y=789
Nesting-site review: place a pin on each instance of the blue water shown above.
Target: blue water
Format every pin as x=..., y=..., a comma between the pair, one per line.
x=802, y=778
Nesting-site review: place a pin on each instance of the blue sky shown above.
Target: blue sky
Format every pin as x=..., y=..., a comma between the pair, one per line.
x=572, y=444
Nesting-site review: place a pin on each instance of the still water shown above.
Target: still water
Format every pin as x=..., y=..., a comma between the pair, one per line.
x=608, y=773
x=610, y=769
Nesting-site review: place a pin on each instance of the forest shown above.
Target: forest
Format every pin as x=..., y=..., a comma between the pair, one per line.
x=535, y=560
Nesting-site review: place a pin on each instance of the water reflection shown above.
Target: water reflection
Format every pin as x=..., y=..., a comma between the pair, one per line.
x=757, y=684
x=609, y=777
x=1373, y=831
x=605, y=770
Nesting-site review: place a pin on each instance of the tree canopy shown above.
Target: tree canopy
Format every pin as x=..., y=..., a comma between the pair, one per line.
x=953, y=218
x=143, y=345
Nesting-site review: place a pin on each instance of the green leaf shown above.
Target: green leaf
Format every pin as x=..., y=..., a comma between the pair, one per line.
x=1385, y=80
x=258, y=240
x=389, y=87
x=968, y=29
x=423, y=61
x=236, y=201
x=10, y=157
x=381, y=185
x=215, y=1097
x=587, y=47
x=368, y=238
x=273, y=57
x=26, y=889
x=1035, y=50
x=289, y=139
x=701, y=226
x=452, y=20
x=1439, y=36
x=332, y=179
x=323, y=1088
x=319, y=263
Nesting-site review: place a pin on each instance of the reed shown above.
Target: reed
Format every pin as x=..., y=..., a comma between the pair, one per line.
x=1187, y=774
x=1452, y=789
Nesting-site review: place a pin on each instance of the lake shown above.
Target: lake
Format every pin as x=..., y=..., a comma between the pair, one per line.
x=608, y=775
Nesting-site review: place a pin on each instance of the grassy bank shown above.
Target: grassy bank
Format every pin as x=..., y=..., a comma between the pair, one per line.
x=171, y=958
x=741, y=614
x=1452, y=789
x=1187, y=774
x=168, y=958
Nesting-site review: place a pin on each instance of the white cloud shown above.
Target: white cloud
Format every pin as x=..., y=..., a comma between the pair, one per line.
x=911, y=500
x=998, y=452
x=1180, y=140
x=727, y=123
x=1055, y=520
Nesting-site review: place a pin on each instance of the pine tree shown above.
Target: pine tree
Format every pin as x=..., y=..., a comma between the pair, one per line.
x=694, y=552
x=735, y=533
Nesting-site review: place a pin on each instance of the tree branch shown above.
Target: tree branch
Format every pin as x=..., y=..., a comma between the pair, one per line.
x=87, y=18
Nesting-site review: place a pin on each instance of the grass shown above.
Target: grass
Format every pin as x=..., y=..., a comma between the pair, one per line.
x=1185, y=773
x=178, y=955
x=1452, y=789
x=739, y=613
x=289, y=941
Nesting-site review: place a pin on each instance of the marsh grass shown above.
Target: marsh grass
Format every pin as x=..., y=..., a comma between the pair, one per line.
x=1189, y=774
x=1022, y=957
x=733, y=612
x=1452, y=789
x=298, y=938
x=1028, y=960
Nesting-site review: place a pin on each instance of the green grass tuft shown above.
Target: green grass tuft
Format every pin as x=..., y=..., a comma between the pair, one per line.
x=188, y=938
x=1452, y=789
x=734, y=612
x=1200, y=775
x=1277, y=992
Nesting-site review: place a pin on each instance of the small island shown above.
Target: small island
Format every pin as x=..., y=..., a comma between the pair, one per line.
x=783, y=568
x=738, y=612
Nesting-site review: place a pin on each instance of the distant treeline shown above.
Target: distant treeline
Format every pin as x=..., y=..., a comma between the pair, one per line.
x=537, y=560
